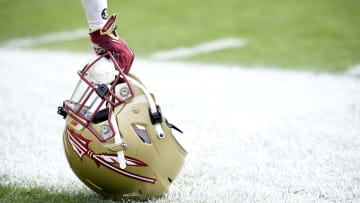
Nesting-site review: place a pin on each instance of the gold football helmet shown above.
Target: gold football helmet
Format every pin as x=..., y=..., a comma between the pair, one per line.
x=116, y=139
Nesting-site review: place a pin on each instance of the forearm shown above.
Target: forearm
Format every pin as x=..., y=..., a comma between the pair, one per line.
x=96, y=12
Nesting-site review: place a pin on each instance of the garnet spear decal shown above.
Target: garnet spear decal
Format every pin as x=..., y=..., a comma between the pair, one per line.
x=80, y=146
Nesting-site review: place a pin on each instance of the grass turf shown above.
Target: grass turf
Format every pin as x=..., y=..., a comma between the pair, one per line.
x=13, y=193
x=284, y=139
x=313, y=35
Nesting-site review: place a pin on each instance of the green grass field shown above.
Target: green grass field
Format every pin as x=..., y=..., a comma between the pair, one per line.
x=40, y=194
x=313, y=35
x=319, y=36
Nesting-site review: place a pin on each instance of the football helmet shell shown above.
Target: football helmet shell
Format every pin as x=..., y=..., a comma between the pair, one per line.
x=153, y=159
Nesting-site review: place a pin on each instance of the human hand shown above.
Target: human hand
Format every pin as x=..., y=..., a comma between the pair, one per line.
x=106, y=39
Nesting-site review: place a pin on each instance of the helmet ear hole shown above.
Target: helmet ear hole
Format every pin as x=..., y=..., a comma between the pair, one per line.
x=170, y=180
x=141, y=133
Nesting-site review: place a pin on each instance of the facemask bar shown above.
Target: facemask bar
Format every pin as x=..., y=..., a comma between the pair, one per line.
x=96, y=96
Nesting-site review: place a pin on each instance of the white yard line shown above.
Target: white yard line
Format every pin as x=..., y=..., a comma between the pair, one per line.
x=354, y=71
x=270, y=132
x=182, y=52
x=47, y=38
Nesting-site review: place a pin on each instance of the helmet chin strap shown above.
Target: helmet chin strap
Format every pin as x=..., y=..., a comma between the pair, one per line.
x=153, y=107
x=118, y=141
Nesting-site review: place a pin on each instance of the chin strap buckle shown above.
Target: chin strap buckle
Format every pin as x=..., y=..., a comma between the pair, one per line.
x=155, y=117
x=61, y=112
x=101, y=90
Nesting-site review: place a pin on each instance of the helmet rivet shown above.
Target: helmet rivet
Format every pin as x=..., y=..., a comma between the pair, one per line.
x=136, y=109
x=123, y=145
x=104, y=129
x=124, y=91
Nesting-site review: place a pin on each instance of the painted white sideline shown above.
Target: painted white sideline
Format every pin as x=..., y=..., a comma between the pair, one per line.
x=47, y=38
x=354, y=71
x=257, y=134
x=182, y=52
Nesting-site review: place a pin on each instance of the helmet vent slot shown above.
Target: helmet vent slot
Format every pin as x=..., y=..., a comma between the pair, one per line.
x=141, y=133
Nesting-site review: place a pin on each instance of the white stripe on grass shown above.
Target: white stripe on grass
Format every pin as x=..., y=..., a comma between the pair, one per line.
x=354, y=71
x=47, y=38
x=259, y=135
x=182, y=52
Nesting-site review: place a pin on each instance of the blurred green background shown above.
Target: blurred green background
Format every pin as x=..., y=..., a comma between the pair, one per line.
x=320, y=35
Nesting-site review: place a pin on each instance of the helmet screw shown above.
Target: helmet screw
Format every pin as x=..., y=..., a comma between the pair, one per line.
x=104, y=129
x=136, y=109
x=124, y=145
x=124, y=92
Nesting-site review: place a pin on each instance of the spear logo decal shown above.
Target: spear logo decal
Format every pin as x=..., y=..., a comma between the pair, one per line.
x=80, y=146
